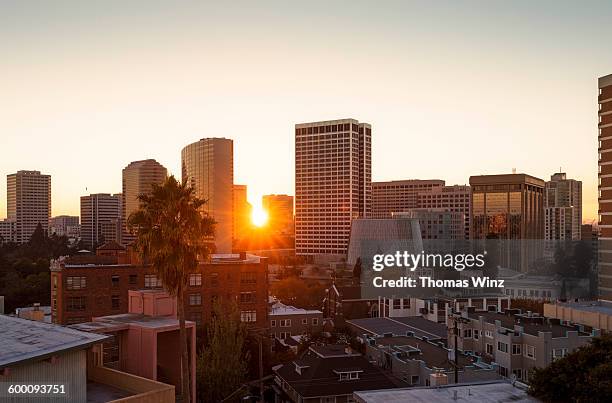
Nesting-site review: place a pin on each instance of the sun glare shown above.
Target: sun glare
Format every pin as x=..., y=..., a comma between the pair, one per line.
x=259, y=216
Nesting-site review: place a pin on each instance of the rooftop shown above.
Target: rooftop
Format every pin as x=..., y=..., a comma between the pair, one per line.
x=485, y=392
x=530, y=324
x=601, y=306
x=219, y=258
x=23, y=340
x=420, y=326
x=280, y=309
x=122, y=322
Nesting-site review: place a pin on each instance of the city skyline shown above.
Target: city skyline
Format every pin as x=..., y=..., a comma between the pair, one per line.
x=486, y=83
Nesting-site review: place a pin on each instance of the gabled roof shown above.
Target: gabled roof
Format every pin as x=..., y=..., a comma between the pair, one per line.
x=111, y=245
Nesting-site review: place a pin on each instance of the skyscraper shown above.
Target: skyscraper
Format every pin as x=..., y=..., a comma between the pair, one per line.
x=65, y=225
x=280, y=213
x=208, y=164
x=509, y=208
x=138, y=178
x=100, y=219
x=242, y=211
x=28, y=202
x=454, y=199
x=333, y=183
x=605, y=187
x=399, y=196
x=562, y=208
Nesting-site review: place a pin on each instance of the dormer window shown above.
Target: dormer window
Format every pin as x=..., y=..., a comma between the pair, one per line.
x=348, y=375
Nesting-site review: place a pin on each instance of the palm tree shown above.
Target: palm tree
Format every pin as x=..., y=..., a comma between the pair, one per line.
x=172, y=236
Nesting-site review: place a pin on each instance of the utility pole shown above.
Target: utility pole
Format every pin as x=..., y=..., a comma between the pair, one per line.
x=261, y=384
x=456, y=352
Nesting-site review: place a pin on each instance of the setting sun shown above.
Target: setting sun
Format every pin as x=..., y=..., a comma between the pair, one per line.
x=259, y=216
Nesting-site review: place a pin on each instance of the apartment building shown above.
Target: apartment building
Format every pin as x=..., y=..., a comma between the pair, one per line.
x=333, y=184
x=28, y=202
x=400, y=196
x=605, y=186
x=517, y=342
x=65, y=225
x=287, y=320
x=280, y=213
x=455, y=199
x=100, y=219
x=562, y=208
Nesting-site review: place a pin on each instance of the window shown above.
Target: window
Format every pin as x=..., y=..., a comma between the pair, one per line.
x=414, y=380
x=315, y=321
x=115, y=302
x=476, y=334
x=503, y=347
x=345, y=376
x=283, y=335
x=518, y=373
x=76, y=303
x=76, y=283
x=559, y=353
x=248, y=277
x=273, y=323
x=503, y=371
x=467, y=333
x=214, y=279
x=195, y=279
x=516, y=349
x=488, y=334
x=133, y=279
x=115, y=281
x=248, y=316
x=529, y=351
x=285, y=323
x=195, y=299
x=304, y=321
x=151, y=281
x=247, y=297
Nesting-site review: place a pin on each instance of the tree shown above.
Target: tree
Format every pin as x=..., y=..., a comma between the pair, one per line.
x=585, y=375
x=172, y=235
x=223, y=364
x=298, y=292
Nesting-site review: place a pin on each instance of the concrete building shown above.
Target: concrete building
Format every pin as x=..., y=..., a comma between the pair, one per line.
x=329, y=373
x=595, y=314
x=38, y=353
x=516, y=342
x=65, y=225
x=510, y=209
x=437, y=223
x=101, y=219
x=475, y=392
x=605, y=187
x=287, y=320
x=8, y=231
x=333, y=184
x=28, y=195
x=242, y=212
x=145, y=341
x=35, y=312
x=399, y=196
x=280, y=213
x=208, y=165
x=416, y=326
x=456, y=199
x=137, y=179
x=562, y=208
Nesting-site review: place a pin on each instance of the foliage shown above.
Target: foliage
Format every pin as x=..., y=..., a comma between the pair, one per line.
x=223, y=364
x=298, y=292
x=172, y=235
x=582, y=376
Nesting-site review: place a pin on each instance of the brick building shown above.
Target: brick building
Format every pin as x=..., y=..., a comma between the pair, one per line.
x=87, y=286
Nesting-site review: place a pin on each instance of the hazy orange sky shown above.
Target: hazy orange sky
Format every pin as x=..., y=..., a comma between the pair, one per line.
x=452, y=89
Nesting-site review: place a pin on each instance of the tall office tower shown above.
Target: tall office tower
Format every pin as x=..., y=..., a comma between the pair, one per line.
x=455, y=199
x=28, y=202
x=280, y=213
x=138, y=178
x=605, y=187
x=509, y=208
x=242, y=212
x=333, y=184
x=562, y=208
x=65, y=225
x=100, y=219
x=399, y=196
x=209, y=166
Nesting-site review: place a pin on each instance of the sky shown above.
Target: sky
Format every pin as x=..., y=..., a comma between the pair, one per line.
x=451, y=88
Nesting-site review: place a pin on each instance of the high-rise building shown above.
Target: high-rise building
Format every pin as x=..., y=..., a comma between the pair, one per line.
x=28, y=202
x=563, y=208
x=242, y=211
x=208, y=164
x=65, y=225
x=138, y=178
x=100, y=219
x=8, y=231
x=399, y=196
x=605, y=187
x=509, y=208
x=455, y=199
x=280, y=213
x=333, y=183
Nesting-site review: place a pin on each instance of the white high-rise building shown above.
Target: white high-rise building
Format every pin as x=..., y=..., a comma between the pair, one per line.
x=562, y=208
x=28, y=202
x=100, y=219
x=333, y=183
x=208, y=164
x=65, y=225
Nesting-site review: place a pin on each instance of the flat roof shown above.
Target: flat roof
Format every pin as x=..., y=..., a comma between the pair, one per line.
x=280, y=309
x=489, y=392
x=509, y=321
x=23, y=340
x=604, y=307
x=420, y=326
x=122, y=321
